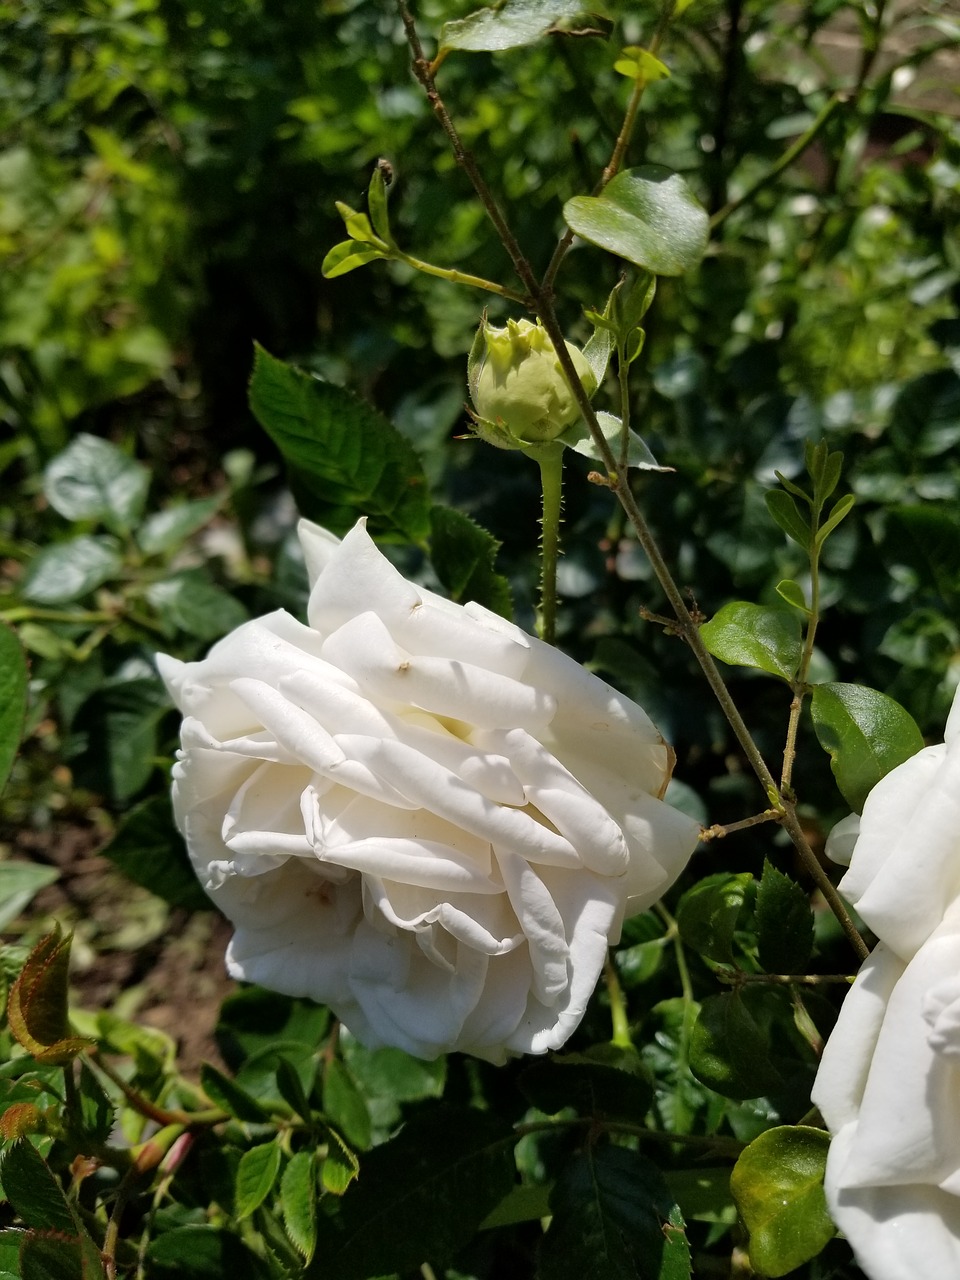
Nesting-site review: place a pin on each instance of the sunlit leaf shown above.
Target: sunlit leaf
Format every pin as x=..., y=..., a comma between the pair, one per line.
x=866, y=734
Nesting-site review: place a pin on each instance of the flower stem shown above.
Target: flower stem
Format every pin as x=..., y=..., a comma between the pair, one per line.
x=462, y=277
x=618, y=1006
x=550, y=460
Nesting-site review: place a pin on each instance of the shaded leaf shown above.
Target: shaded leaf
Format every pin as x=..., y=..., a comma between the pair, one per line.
x=784, y=923
x=463, y=555
x=227, y=1094
x=752, y=635
x=591, y=1088
x=647, y=215
x=206, y=1253
x=298, y=1195
x=613, y=1219
x=256, y=1174
x=114, y=742
x=422, y=1195
x=20, y=882
x=345, y=1105
x=168, y=529
x=782, y=506
x=728, y=1051
x=866, y=734
x=191, y=601
x=778, y=1186
x=346, y=458
x=34, y=1191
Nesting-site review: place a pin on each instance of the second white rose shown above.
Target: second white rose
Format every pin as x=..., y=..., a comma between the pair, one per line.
x=416, y=813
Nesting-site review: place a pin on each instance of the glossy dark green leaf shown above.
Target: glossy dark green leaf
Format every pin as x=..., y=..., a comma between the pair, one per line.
x=68, y=570
x=420, y=1196
x=783, y=507
x=866, y=734
x=149, y=849
x=707, y=914
x=728, y=1051
x=299, y=1195
x=506, y=26
x=14, y=680
x=784, y=923
x=191, y=601
x=647, y=215
x=256, y=1175
x=114, y=742
x=168, y=529
x=463, y=555
x=753, y=635
x=347, y=459
x=94, y=480
x=591, y=1088
x=778, y=1186
x=613, y=1217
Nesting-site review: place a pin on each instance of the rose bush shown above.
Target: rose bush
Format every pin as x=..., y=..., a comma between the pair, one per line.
x=417, y=814
x=889, y=1080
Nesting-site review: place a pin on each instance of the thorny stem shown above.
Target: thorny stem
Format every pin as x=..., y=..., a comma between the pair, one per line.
x=550, y=459
x=145, y=1107
x=731, y=1147
x=542, y=299
x=737, y=978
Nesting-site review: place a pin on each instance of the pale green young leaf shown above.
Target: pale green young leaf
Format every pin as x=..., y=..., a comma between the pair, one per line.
x=347, y=256
x=792, y=592
x=841, y=508
x=778, y=1186
x=579, y=439
x=787, y=515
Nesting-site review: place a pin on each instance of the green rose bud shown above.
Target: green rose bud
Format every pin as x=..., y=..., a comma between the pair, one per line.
x=517, y=386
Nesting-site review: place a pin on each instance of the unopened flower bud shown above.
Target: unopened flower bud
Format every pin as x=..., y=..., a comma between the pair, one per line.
x=518, y=386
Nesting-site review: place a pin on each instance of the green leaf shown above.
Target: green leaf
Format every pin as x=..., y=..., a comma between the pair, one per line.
x=788, y=516
x=34, y=1191
x=754, y=635
x=507, y=25
x=707, y=914
x=841, y=508
x=613, y=1217
x=421, y=1196
x=792, y=592
x=291, y=1090
x=778, y=1186
x=93, y=480
x=728, y=1051
x=190, y=601
x=205, y=1253
x=37, y=1004
x=866, y=734
x=927, y=539
x=648, y=216
x=114, y=740
x=340, y=1165
x=784, y=923
x=298, y=1195
x=347, y=459
x=256, y=1174
x=226, y=1093
x=591, y=1088
x=345, y=1105
x=14, y=684
x=168, y=529
x=68, y=570
x=258, y=1074
x=347, y=256
x=640, y=65
x=377, y=194
x=20, y=882
x=463, y=555
x=579, y=439
x=147, y=848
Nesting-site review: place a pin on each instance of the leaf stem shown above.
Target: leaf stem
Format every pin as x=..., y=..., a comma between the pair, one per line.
x=800, y=683
x=461, y=277
x=550, y=459
x=719, y=830
x=618, y=1006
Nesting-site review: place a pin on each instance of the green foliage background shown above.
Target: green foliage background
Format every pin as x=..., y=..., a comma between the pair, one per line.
x=168, y=173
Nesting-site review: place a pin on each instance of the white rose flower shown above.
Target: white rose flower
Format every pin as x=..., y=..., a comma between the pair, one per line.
x=889, y=1080
x=417, y=814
